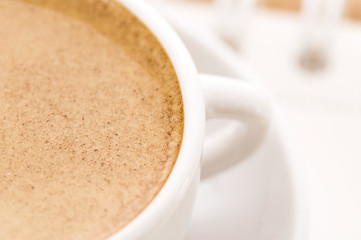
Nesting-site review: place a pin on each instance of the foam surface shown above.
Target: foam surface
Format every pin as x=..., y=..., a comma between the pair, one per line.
x=90, y=127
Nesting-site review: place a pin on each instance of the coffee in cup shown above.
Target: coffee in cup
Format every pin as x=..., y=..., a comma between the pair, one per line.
x=91, y=118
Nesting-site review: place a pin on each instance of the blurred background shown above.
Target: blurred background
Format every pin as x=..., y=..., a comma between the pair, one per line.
x=308, y=54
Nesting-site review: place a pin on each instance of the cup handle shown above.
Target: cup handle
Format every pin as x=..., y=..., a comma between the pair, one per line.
x=232, y=99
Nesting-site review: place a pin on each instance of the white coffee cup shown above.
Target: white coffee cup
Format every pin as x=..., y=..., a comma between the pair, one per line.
x=167, y=216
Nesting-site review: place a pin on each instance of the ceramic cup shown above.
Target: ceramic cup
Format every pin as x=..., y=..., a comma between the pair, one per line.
x=204, y=97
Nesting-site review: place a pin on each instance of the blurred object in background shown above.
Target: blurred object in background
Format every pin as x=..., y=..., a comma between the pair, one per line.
x=317, y=32
x=232, y=20
x=320, y=20
x=353, y=9
x=198, y=1
x=292, y=5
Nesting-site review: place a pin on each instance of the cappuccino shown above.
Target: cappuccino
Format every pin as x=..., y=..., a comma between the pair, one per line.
x=91, y=118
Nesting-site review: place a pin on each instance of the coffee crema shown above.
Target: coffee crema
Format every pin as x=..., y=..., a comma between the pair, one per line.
x=91, y=118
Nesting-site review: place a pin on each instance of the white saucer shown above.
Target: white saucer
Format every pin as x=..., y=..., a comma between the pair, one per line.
x=262, y=198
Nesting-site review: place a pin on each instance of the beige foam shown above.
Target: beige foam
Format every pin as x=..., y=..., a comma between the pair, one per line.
x=91, y=119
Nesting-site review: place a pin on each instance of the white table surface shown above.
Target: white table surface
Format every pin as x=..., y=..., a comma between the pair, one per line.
x=323, y=109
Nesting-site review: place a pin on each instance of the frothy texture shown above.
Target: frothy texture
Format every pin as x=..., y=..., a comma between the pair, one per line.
x=91, y=118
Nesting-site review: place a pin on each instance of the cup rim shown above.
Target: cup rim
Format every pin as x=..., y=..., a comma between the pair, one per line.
x=188, y=160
